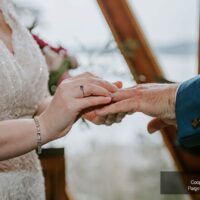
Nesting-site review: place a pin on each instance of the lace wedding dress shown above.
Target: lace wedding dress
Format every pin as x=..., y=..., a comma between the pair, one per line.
x=23, y=83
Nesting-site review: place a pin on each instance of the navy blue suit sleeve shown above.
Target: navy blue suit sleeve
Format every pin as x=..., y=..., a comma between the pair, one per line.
x=188, y=113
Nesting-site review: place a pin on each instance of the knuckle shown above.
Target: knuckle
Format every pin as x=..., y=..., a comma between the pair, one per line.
x=138, y=95
x=87, y=79
x=100, y=83
x=88, y=89
x=135, y=104
x=139, y=92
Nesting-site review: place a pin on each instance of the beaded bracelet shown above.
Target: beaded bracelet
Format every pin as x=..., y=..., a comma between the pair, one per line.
x=39, y=138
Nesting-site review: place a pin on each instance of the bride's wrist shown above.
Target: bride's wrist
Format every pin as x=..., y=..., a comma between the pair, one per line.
x=43, y=105
x=46, y=132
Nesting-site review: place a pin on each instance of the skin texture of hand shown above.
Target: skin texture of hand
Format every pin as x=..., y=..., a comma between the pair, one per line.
x=155, y=100
x=105, y=120
x=68, y=103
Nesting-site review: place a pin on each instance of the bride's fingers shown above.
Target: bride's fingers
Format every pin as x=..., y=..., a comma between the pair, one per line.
x=119, y=107
x=114, y=118
x=91, y=101
x=91, y=90
x=90, y=78
x=107, y=85
x=155, y=125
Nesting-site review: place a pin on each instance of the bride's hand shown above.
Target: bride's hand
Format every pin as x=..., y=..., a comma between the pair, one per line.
x=69, y=102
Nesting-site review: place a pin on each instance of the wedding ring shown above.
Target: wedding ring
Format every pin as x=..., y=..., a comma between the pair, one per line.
x=82, y=89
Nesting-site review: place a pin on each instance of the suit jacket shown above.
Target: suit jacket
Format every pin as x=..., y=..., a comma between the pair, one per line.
x=188, y=113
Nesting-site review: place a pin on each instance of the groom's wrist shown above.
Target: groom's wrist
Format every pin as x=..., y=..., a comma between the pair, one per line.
x=172, y=100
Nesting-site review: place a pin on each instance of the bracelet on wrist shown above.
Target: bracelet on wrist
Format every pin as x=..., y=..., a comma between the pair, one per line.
x=39, y=137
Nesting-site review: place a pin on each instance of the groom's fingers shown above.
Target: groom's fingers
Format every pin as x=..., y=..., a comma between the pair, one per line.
x=120, y=116
x=118, y=107
x=122, y=95
x=91, y=101
x=110, y=119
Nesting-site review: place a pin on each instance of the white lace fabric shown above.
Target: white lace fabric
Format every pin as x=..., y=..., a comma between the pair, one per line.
x=23, y=83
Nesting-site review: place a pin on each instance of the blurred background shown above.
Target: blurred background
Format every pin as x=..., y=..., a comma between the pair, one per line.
x=121, y=162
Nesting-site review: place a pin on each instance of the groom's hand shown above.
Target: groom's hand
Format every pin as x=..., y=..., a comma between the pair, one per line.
x=155, y=100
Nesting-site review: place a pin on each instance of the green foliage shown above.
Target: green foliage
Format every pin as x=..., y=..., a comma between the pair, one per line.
x=56, y=75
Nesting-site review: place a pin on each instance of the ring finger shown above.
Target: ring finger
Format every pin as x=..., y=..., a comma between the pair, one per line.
x=86, y=90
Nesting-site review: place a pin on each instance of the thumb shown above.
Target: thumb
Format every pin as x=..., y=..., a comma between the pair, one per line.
x=155, y=125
